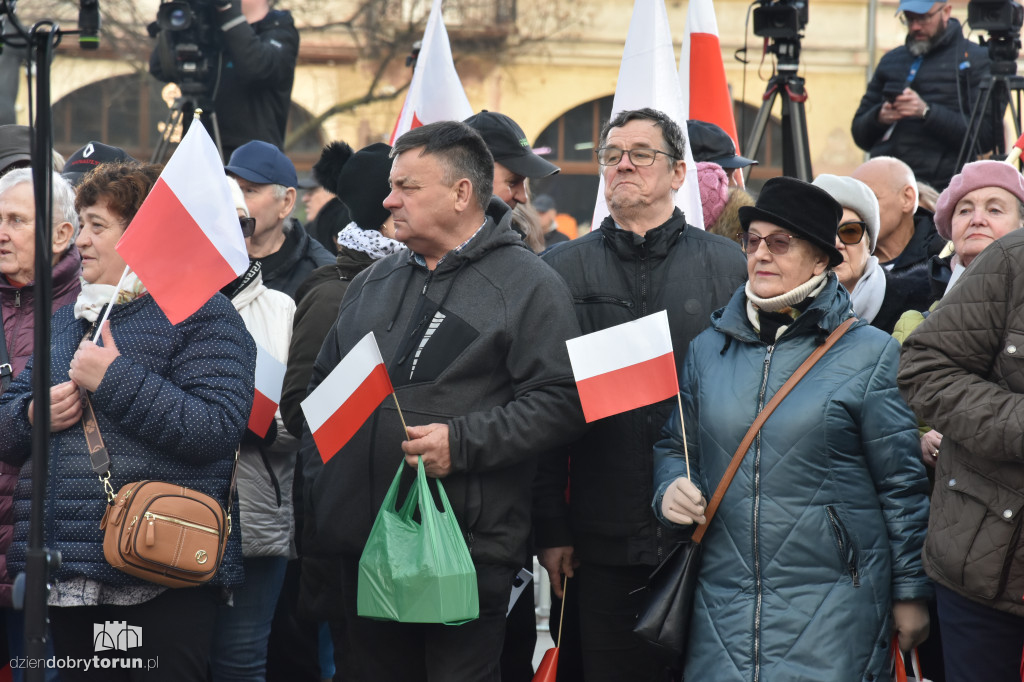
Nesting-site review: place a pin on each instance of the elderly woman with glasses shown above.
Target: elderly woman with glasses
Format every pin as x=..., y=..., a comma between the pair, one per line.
x=813, y=560
x=874, y=299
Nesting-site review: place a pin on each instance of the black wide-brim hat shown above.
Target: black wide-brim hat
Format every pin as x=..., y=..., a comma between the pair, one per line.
x=799, y=207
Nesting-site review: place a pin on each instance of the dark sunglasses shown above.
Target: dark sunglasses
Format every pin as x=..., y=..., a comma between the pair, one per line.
x=852, y=232
x=778, y=243
x=248, y=226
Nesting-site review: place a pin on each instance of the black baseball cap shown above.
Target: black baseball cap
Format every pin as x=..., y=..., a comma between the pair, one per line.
x=88, y=157
x=509, y=146
x=15, y=146
x=711, y=143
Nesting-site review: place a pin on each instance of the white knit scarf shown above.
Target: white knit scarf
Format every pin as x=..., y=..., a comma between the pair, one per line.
x=869, y=291
x=94, y=296
x=755, y=303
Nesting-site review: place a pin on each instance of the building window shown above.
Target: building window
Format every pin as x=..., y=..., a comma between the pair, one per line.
x=130, y=112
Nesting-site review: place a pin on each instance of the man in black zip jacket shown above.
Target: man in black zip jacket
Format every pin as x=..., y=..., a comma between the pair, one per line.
x=643, y=259
x=919, y=100
x=471, y=326
x=253, y=70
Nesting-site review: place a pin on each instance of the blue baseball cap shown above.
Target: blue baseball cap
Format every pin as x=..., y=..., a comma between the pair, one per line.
x=262, y=163
x=917, y=6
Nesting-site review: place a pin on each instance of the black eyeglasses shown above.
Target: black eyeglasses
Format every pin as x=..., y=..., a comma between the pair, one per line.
x=908, y=18
x=248, y=226
x=851, y=232
x=778, y=243
x=611, y=156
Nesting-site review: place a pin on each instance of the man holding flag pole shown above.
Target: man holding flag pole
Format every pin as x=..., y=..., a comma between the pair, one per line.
x=470, y=328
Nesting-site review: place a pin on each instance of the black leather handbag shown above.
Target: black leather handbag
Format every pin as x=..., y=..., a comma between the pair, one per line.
x=664, y=622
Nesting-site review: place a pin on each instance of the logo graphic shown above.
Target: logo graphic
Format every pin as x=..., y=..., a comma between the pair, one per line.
x=114, y=634
x=89, y=150
x=201, y=557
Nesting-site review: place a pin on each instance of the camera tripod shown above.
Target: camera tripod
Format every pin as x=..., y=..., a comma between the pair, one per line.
x=1002, y=87
x=192, y=98
x=796, y=155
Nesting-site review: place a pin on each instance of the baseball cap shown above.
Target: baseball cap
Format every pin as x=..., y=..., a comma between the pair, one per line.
x=15, y=145
x=543, y=202
x=262, y=163
x=916, y=6
x=710, y=143
x=509, y=146
x=90, y=156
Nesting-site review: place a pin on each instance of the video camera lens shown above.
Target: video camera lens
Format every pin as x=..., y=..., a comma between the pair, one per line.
x=175, y=16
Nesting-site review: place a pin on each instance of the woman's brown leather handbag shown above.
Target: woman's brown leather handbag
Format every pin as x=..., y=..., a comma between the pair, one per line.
x=161, y=532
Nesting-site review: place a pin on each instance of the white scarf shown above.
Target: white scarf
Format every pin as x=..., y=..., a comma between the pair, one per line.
x=869, y=291
x=370, y=242
x=755, y=303
x=94, y=296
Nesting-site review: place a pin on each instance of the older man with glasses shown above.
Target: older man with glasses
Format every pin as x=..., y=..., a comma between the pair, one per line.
x=645, y=258
x=918, y=103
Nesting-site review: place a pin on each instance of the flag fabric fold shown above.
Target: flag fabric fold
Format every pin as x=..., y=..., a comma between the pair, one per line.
x=269, y=380
x=624, y=367
x=185, y=242
x=704, y=88
x=648, y=78
x=435, y=93
x=347, y=397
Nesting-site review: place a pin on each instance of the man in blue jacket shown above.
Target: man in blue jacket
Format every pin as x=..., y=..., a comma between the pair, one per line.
x=919, y=101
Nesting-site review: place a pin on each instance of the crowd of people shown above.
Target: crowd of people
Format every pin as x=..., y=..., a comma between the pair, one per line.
x=876, y=509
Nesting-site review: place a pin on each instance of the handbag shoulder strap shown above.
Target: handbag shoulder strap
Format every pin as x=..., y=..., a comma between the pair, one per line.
x=6, y=370
x=762, y=417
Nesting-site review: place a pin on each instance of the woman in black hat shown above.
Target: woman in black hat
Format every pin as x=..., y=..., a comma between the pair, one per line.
x=813, y=560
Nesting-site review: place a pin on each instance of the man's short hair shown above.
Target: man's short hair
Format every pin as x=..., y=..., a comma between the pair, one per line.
x=63, y=195
x=461, y=151
x=670, y=130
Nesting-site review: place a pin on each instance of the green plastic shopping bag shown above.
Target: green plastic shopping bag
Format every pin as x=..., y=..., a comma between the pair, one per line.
x=417, y=570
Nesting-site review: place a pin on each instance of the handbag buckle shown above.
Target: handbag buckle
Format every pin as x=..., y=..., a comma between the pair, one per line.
x=109, y=489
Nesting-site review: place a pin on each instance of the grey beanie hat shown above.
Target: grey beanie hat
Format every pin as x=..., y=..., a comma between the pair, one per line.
x=856, y=196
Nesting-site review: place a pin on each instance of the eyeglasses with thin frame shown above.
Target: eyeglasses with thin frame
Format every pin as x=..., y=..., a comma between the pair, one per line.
x=248, y=225
x=852, y=231
x=778, y=243
x=908, y=18
x=611, y=156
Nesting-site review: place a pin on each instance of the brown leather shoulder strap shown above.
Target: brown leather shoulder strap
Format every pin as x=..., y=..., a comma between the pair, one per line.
x=762, y=417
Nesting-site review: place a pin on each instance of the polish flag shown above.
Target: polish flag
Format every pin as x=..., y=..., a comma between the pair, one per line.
x=435, y=93
x=624, y=367
x=269, y=380
x=702, y=72
x=185, y=242
x=648, y=78
x=347, y=397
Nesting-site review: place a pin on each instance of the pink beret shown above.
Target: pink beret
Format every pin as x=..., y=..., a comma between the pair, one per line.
x=974, y=176
x=714, y=190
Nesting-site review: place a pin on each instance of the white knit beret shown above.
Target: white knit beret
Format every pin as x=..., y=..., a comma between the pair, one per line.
x=856, y=196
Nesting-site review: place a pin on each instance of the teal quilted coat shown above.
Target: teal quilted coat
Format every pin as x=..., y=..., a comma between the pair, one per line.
x=823, y=525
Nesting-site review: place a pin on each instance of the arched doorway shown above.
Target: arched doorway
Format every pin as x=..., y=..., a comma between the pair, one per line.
x=130, y=111
x=570, y=140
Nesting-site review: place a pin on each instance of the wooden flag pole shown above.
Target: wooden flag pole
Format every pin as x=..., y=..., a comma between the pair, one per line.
x=682, y=425
x=561, y=616
x=401, y=416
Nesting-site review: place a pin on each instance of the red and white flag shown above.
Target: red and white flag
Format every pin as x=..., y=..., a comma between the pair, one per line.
x=624, y=367
x=702, y=71
x=648, y=78
x=347, y=397
x=436, y=93
x=185, y=242
x=269, y=380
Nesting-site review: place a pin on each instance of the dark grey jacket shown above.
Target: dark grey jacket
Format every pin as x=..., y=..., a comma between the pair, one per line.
x=617, y=276
x=494, y=368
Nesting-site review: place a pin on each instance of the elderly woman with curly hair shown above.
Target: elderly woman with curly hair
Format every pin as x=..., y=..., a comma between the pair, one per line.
x=171, y=402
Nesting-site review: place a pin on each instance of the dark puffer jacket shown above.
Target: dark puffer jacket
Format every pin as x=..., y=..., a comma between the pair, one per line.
x=821, y=528
x=171, y=407
x=948, y=81
x=617, y=276
x=494, y=368
x=962, y=372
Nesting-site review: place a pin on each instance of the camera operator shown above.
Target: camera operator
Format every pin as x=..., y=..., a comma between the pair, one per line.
x=918, y=103
x=253, y=70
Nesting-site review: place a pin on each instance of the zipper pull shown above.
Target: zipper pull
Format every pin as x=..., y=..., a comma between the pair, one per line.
x=17, y=298
x=150, y=531
x=128, y=536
